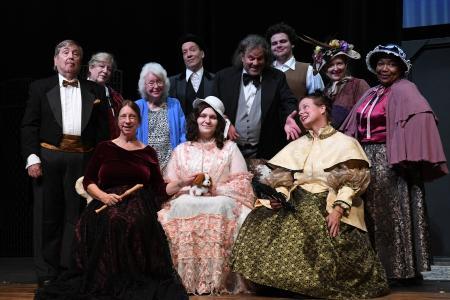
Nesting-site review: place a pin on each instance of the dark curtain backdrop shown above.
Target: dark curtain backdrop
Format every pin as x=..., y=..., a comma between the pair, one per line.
x=137, y=32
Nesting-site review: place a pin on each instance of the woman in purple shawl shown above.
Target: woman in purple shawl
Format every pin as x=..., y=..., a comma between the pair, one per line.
x=397, y=128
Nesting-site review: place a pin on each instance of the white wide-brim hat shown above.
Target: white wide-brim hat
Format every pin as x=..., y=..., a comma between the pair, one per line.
x=214, y=102
x=389, y=49
x=218, y=107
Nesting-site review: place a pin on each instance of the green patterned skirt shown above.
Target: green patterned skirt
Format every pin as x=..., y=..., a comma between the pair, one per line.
x=294, y=252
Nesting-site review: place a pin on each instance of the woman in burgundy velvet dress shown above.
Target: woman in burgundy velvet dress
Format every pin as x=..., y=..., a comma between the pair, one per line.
x=121, y=252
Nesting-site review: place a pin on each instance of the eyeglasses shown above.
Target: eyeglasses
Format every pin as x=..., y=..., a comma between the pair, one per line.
x=151, y=84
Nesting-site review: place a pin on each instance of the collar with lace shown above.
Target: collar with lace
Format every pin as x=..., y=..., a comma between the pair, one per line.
x=324, y=132
x=206, y=145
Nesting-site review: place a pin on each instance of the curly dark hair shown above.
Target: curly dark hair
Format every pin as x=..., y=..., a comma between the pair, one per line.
x=319, y=98
x=282, y=28
x=192, y=132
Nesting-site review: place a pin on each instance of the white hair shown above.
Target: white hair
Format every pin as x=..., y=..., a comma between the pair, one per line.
x=158, y=71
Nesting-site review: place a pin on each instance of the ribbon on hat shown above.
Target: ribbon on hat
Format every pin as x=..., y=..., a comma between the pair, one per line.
x=247, y=78
x=227, y=128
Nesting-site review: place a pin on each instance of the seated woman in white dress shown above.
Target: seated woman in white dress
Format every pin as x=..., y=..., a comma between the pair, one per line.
x=202, y=229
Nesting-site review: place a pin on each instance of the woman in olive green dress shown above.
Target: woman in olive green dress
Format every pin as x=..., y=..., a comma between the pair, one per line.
x=322, y=248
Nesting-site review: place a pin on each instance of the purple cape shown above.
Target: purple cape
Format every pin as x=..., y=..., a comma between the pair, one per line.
x=411, y=131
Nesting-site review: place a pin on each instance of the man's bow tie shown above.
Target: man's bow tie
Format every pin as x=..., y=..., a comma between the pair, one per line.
x=246, y=78
x=73, y=83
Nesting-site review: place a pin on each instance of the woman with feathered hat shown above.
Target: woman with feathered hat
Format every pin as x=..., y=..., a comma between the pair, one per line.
x=398, y=130
x=342, y=88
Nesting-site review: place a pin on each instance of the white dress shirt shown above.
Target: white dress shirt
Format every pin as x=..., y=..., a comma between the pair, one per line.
x=249, y=93
x=313, y=82
x=71, y=114
x=195, y=79
x=70, y=108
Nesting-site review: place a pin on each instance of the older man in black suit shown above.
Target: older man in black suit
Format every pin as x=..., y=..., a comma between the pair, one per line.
x=195, y=82
x=257, y=100
x=64, y=119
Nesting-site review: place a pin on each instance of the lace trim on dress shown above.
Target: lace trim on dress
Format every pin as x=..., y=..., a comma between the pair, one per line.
x=201, y=247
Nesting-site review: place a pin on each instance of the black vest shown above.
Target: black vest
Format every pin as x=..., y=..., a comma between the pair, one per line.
x=191, y=95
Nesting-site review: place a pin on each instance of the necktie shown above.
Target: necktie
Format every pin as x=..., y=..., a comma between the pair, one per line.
x=246, y=78
x=73, y=83
x=195, y=81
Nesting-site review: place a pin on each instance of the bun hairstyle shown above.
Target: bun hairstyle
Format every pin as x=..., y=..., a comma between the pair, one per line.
x=319, y=98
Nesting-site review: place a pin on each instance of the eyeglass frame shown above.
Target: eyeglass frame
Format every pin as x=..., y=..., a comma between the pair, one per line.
x=151, y=84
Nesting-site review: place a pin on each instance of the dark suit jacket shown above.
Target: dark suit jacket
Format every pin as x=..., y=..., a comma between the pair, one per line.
x=42, y=121
x=277, y=102
x=178, y=87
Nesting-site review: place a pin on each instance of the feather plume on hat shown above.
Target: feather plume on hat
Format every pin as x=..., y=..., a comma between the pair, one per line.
x=324, y=53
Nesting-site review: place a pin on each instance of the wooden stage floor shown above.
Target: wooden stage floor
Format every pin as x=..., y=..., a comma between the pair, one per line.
x=17, y=282
x=428, y=290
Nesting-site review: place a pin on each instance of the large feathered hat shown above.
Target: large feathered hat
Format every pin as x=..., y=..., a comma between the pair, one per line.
x=324, y=53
